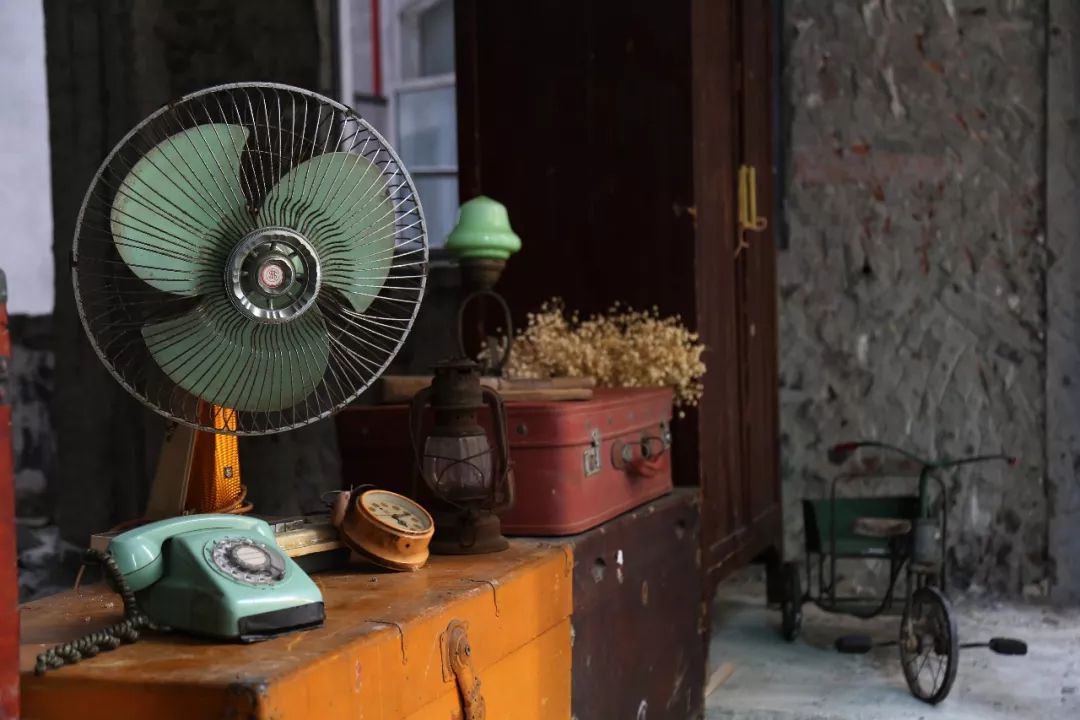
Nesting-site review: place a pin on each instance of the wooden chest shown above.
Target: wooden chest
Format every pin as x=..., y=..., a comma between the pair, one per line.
x=382, y=654
x=640, y=627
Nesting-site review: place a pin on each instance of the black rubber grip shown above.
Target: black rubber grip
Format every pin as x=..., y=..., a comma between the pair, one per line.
x=854, y=644
x=1008, y=646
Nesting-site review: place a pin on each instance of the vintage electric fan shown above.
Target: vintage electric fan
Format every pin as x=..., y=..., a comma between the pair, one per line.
x=247, y=260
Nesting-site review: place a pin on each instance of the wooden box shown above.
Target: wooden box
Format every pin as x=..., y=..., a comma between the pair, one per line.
x=640, y=630
x=382, y=654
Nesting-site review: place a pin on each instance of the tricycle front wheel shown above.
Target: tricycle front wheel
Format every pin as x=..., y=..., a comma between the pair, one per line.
x=791, y=604
x=929, y=649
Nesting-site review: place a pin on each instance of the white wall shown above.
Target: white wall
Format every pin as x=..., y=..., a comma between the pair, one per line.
x=25, y=201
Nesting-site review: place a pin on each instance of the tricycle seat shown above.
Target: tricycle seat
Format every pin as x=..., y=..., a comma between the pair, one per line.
x=852, y=537
x=877, y=527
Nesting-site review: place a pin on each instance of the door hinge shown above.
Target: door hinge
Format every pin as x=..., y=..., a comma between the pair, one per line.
x=749, y=220
x=457, y=663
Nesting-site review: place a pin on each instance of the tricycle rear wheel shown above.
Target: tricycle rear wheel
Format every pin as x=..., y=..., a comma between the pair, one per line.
x=791, y=604
x=929, y=649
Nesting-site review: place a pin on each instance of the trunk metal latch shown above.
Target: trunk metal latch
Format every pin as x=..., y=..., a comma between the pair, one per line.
x=457, y=664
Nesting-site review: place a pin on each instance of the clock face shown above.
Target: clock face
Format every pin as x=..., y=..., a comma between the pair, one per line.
x=397, y=513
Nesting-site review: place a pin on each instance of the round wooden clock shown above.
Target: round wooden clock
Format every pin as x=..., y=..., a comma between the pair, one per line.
x=387, y=529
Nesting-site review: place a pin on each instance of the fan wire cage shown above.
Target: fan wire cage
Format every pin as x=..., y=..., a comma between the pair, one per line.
x=252, y=249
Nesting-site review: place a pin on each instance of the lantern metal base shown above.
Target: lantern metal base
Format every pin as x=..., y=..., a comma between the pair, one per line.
x=480, y=273
x=474, y=533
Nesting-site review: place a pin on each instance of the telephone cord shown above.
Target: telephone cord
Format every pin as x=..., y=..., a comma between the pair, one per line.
x=110, y=638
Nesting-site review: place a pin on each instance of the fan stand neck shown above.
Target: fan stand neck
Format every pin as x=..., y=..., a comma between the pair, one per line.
x=197, y=471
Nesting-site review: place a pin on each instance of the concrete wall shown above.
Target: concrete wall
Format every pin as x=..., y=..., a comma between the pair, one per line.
x=913, y=281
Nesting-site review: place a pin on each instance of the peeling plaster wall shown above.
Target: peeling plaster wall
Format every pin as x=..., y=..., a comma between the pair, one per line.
x=913, y=279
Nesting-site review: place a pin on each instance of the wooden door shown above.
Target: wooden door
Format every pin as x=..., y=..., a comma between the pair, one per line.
x=756, y=266
x=739, y=421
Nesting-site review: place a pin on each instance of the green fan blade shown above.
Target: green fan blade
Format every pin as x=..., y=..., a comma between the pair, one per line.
x=220, y=356
x=341, y=203
x=180, y=201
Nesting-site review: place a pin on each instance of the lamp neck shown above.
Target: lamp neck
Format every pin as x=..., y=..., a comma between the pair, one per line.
x=456, y=396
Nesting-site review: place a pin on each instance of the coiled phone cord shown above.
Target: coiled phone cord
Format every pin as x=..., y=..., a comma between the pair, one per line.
x=110, y=638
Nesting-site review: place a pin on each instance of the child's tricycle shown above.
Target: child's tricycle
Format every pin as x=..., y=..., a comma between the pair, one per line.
x=910, y=533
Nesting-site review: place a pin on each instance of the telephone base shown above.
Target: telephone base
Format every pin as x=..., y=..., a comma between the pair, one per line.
x=263, y=626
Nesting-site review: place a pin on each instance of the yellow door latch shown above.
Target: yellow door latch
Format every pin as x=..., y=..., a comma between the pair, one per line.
x=749, y=220
x=457, y=663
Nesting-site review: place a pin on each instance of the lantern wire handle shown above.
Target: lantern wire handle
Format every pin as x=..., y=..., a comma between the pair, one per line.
x=497, y=367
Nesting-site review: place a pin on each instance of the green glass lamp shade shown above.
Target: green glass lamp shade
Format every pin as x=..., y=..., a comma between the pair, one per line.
x=483, y=231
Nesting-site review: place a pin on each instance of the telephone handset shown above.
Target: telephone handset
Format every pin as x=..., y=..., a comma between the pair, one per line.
x=138, y=552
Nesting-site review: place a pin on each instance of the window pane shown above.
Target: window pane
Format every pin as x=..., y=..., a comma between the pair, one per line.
x=363, y=65
x=427, y=40
x=437, y=39
x=439, y=197
x=427, y=127
x=374, y=112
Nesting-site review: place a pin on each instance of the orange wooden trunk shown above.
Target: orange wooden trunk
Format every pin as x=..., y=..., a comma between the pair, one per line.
x=379, y=656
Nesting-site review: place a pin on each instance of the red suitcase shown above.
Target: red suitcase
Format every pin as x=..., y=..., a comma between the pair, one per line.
x=576, y=463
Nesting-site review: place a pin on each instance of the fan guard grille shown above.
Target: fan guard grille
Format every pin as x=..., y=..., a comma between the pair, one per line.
x=153, y=264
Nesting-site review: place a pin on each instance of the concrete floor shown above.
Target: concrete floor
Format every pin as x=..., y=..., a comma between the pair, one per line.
x=809, y=680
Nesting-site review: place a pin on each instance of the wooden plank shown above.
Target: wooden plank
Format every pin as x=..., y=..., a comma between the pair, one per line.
x=402, y=388
x=719, y=676
x=378, y=656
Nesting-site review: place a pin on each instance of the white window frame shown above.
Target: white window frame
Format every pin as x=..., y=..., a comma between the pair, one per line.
x=392, y=15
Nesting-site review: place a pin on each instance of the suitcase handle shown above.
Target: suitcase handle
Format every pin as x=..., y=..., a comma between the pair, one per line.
x=645, y=463
x=644, y=467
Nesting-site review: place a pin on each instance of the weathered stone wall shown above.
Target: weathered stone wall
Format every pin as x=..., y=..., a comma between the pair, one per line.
x=913, y=298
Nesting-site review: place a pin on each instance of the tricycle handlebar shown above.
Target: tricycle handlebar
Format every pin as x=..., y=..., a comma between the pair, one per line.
x=842, y=451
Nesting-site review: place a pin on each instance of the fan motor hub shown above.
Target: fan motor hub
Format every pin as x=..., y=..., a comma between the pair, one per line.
x=273, y=275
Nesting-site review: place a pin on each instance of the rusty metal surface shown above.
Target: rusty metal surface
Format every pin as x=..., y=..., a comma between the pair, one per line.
x=640, y=632
x=9, y=585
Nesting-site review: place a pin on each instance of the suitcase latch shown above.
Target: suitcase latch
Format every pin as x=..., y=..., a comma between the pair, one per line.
x=591, y=457
x=457, y=662
x=665, y=434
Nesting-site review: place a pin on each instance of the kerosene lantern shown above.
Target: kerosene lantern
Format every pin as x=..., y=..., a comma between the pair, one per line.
x=468, y=473
x=483, y=241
